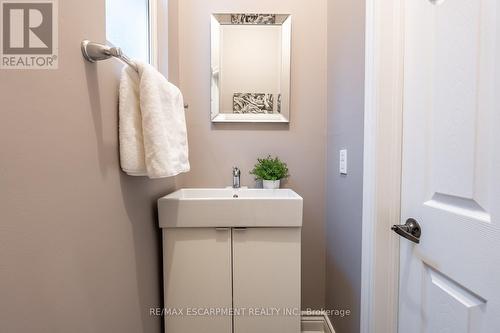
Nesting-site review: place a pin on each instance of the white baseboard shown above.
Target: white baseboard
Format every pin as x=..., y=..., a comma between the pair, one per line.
x=318, y=322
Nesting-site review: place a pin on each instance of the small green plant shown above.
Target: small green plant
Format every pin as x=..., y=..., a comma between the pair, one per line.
x=270, y=169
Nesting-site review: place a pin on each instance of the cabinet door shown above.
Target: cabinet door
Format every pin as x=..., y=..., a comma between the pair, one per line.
x=266, y=280
x=197, y=278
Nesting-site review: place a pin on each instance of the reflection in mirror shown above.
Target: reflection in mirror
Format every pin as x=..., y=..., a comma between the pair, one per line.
x=250, y=67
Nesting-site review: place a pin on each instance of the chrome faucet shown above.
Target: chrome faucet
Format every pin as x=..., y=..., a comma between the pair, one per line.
x=236, y=177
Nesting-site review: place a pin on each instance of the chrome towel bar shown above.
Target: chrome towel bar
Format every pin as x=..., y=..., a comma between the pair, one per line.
x=94, y=52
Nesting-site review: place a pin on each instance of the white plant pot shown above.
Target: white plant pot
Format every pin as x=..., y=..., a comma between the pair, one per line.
x=271, y=184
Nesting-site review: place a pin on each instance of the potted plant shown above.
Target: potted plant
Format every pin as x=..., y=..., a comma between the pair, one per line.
x=270, y=171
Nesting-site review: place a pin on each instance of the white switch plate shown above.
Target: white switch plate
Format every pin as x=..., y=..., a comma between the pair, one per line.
x=343, y=162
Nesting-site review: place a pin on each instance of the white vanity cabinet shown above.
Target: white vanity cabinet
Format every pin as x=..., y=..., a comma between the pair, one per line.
x=197, y=276
x=255, y=271
x=266, y=276
x=231, y=260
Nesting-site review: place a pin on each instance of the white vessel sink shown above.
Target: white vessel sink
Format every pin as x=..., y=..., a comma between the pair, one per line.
x=227, y=207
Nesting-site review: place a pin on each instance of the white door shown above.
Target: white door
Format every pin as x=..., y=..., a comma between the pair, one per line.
x=266, y=280
x=450, y=282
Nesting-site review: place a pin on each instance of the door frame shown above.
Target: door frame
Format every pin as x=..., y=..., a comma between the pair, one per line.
x=384, y=50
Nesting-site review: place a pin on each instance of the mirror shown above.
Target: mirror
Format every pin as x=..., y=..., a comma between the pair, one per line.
x=250, y=67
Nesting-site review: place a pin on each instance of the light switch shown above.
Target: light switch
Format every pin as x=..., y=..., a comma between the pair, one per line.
x=343, y=162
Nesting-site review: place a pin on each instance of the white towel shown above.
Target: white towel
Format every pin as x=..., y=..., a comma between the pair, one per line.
x=152, y=126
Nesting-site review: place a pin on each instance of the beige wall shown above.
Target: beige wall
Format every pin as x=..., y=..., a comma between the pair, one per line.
x=79, y=243
x=214, y=149
x=346, y=63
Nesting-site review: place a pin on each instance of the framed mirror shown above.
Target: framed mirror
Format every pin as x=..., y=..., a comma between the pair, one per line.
x=250, y=67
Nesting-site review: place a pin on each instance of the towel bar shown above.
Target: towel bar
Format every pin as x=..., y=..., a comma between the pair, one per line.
x=94, y=52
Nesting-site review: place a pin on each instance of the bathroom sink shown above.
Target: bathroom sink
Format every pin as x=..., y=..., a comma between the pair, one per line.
x=227, y=207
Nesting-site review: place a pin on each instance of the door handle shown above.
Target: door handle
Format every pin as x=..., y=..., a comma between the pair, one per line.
x=410, y=230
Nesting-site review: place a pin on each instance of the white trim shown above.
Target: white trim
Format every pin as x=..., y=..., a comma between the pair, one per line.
x=369, y=146
x=317, y=321
x=153, y=32
x=382, y=165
